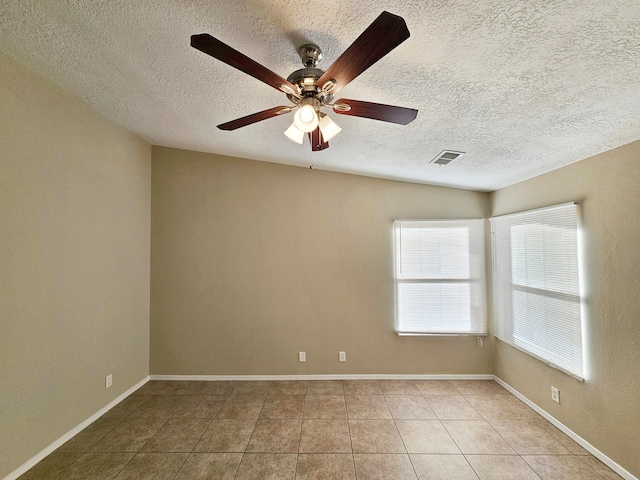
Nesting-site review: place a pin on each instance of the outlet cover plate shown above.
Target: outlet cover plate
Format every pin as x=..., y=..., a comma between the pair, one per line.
x=555, y=394
x=302, y=357
x=108, y=380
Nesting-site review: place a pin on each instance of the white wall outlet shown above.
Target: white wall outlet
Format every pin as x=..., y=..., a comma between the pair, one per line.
x=302, y=357
x=342, y=356
x=108, y=380
x=480, y=341
x=555, y=394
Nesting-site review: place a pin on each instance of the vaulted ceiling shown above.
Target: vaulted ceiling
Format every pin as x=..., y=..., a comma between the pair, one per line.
x=522, y=87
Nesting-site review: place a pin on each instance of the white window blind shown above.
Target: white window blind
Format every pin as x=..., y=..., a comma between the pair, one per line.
x=440, y=277
x=536, y=289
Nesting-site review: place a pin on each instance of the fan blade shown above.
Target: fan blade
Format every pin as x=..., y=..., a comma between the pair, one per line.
x=317, y=142
x=223, y=52
x=375, y=111
x=253, y=118
x=383, y=35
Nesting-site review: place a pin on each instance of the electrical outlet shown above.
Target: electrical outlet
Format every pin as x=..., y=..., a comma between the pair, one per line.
x=108, y=380
x=342, y=356
x=302, y=357
x=479, y=340
x=555, y=394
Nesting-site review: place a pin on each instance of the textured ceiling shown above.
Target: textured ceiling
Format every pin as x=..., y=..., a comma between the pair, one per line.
x=523, y=87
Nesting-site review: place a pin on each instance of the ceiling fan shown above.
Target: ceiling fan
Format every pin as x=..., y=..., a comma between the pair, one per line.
x=310, y=89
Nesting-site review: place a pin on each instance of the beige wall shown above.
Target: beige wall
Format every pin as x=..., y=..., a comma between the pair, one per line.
x=74, y=259
x=252, y=262
x=605, y=409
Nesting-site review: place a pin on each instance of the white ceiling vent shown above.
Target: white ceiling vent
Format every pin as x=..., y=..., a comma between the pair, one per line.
x=446, y=156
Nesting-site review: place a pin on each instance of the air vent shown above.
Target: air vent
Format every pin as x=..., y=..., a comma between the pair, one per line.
x=446, y=156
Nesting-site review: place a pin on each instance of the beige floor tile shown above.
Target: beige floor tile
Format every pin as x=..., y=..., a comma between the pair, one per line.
x=222, y=387
x=127, y=406
x=452, y=407
x=226, y=436
x=210, y=466
x=361, y=387
x=398, y=387
x=130, y=435
x=153, y=466
x=177, y=435
x=87, y=438
x=327, y=407
x=528, y=437
x=425, y=436
x=409, y=407
x=160, y=406
x=325, y=436
x=496, y=406
x=318, y=466
x=477, y=437
x=501, y=467
x=561, y=467
x=97, y=466
x=51, y=466
x=527, y=410
x=289, y=387
x=242, y=406
x=479, y=387
x=325, y=387
x=267, y=466
x=435, y=387
x=384, y=467
x=275, y=436
x=442, y=467
x=600, y=468
x=252, y=388
x=375, y=436
x=367, y=407
x=283, y=406
x=200, y=406
x=170, y=387
x=568, y=443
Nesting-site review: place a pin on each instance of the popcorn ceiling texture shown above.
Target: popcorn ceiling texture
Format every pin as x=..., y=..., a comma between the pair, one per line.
x=523, y=87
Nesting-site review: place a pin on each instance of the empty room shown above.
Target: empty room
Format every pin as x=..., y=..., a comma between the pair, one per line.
x=267, y=239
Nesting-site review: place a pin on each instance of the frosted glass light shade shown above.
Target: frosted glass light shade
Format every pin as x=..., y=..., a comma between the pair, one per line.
x=306, y=118
x=295, y=134
x=328, y=128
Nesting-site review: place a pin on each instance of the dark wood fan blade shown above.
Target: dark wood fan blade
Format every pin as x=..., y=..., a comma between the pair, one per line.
x=376, y=111
x=317, y=142
x=383, y=35
x=223, y=52
x=253, y=118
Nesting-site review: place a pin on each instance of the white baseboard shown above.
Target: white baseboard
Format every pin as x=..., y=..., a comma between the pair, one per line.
x=355, y=376
x=570, y=433
x=74, y=431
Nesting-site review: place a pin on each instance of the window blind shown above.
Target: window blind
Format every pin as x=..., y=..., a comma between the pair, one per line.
x=536, y=288
x=440, y=277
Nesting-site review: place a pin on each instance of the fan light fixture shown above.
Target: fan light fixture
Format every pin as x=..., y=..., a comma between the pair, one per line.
x=328, y=127
x=306, y=118
x=295, y=134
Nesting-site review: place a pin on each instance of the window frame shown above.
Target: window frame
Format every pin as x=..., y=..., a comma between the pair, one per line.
x=476, y=278
x=505, y=287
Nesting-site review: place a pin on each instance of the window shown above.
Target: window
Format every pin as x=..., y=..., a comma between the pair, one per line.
x=440, y=286
x=536, y=289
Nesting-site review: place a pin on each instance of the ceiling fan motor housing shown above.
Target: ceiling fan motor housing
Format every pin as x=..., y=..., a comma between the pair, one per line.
x=306, y=79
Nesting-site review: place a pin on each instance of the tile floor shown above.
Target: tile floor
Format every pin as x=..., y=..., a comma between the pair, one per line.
x=179, y=430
